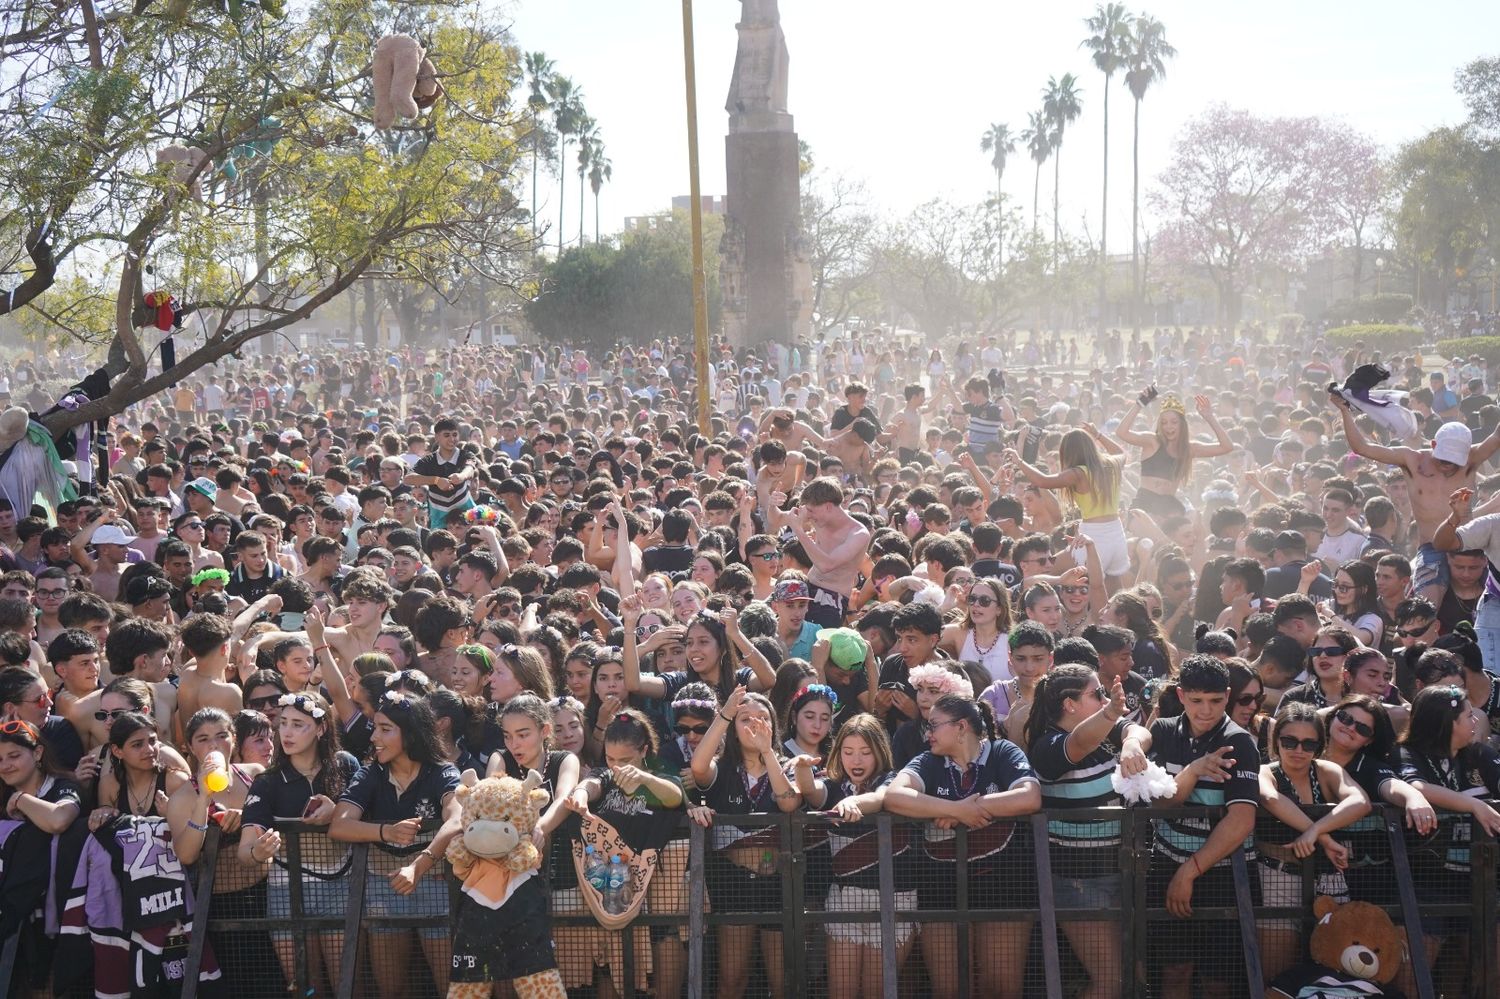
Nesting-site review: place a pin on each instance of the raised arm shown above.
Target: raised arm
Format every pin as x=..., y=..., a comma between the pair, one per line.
x=1222, y=444
x=1129, y=436
x=764, y=676
x=1068, y=478
x=651, y=686
x=1398, y=456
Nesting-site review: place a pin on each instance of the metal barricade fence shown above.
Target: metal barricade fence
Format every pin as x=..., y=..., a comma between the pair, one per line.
x=762, y=914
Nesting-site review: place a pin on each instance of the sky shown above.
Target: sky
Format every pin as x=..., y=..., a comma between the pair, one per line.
x=897, y=95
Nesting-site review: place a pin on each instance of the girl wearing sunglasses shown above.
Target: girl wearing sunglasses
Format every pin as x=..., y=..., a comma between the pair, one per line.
x=1361, y=740
x=1246, y=696
x=1286, y=836
x=980, y=636
x=1326, y=658
x=1437, y=757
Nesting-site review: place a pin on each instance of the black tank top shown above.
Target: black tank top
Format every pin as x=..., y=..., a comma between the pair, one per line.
x=122, y=799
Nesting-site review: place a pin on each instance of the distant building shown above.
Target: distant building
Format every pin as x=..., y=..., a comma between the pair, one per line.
x=682, y=203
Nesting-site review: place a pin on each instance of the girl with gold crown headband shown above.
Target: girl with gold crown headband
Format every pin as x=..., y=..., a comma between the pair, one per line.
x=1167, y=453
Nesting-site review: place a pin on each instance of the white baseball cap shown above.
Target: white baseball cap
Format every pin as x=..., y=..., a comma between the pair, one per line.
x=1452, y=443
x=109, y=534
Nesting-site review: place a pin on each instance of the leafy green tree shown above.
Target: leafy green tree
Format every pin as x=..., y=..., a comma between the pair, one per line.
x=300, y=195
x=539, y=74
x=1062, y=104
x=1109, y=41
x=1038, y=138
x=600, y=171
x=1146, y=63
x=1449, y=211
x=999, y=143
x=567, y=114
x=605, y=295
x=589, y=137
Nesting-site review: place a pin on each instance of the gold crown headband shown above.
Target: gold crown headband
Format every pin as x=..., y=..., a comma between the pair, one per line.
x=1172, y=404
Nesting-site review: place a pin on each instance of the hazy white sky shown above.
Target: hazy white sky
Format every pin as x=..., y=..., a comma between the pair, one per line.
x=898, y=94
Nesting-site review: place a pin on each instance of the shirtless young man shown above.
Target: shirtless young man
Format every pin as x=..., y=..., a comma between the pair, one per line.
x=1435, y=473
x=852, y=446
x=206, y=638
x=835, y=542
x=905, y=428
x=366, y=598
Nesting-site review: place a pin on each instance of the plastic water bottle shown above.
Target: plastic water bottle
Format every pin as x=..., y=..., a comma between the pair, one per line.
x=617, y=896
x=595, y=871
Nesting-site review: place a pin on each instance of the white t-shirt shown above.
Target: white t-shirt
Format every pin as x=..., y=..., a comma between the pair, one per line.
x=213, y=397
x=1340, y=548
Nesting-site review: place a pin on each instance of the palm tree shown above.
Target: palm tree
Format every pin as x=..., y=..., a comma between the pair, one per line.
x=588, y=139
x=567, y=108
x=600, y=171
x=1109, y=41
x=1038, y=139
x=1061, y=105
x=539, y=73
x=998, y=142
x=1146, y=62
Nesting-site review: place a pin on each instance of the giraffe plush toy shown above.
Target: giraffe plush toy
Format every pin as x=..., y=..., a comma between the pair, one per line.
x=503, y=931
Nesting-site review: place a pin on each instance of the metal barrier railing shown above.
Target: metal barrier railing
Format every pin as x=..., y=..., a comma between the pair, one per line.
x=800, y=915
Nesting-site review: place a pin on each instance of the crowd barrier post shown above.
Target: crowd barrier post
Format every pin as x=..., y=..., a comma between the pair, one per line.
x=1411, y=916
x=299, y=940
x=202, y=900
x=1047, y=900
x=1137, y=868
x=1249, y=939
x=697, y=896
x=961, y=844
x=8, y=960
x=793, y=864
x=1482, y=867
x=349, y=957
x=890, y=972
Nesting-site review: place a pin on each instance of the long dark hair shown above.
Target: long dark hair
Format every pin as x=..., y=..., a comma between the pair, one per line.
x=1384, y=739
x=330, y=779
x=120, y=730
x=733, y=754
x=631, y=728
x=1433, y=713
x=1055, y=687
x=1366, y=600
x=709, y=621
x=414, y=719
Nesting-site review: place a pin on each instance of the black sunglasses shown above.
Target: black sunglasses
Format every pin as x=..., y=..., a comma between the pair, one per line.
x=1245, y=700
x=1360, y=728
x=111, y=715
x=1327, y=650
x=1400, y=632
x=692, y=729
x=979, y=601
x=1306, y=745
x=261, y=703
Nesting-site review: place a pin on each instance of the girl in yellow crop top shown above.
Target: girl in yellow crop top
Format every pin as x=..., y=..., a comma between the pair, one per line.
x=1091, y=477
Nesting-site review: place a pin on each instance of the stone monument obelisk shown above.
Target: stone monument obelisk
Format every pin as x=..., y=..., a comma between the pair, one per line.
x=765, y=277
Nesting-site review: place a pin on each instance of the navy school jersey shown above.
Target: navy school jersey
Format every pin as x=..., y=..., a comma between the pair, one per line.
x=1173, y=747
x=1084, y=848
x=1466, y=775
x=1001, y=766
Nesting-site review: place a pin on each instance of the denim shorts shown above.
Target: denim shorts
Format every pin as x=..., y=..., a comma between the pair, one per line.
x=319, y=898
x=1101, y=893
x=429, y=899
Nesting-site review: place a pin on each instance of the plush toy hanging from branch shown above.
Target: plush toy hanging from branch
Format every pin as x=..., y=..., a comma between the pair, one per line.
x=404, y=79
x=167, y=318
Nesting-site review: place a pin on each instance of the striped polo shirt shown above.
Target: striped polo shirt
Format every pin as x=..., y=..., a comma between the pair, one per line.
x=442, y=498
x=1173, y=747
x=1083, y=849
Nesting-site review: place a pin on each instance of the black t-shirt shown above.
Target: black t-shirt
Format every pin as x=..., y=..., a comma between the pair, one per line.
x=1453, y=610
x=993, y=568
x=559, y=867
x=283, y=793
x=374, y=792
x=667, y=558
x=61, y=739
x=643, y=821
x=1454, y=775
x=843, y=418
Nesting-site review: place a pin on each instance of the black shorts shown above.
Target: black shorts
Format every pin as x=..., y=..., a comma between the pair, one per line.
x=733, y=889
x=1436, y=885
x=1211, y=945
x=498, y=945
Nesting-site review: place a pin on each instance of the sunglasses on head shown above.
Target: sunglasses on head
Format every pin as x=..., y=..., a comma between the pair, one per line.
x=1360, y=728
x=647, y=630
x=18, y=727
x=1333, y=651
x=1306, y=745
x=683, y=729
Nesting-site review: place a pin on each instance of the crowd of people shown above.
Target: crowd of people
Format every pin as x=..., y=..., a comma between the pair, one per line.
x=958, y=587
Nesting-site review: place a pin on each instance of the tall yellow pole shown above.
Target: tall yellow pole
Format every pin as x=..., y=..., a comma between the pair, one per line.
x=700, y=293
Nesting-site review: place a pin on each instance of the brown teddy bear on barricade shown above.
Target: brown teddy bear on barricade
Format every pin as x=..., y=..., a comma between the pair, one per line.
x=405, y=80
x=1356, y=950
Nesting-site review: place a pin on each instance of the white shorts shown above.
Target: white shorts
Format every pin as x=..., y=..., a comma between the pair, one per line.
x=1109, y=540
x=845, y=898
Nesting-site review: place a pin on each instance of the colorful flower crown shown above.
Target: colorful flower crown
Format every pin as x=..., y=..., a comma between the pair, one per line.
x=482, y=514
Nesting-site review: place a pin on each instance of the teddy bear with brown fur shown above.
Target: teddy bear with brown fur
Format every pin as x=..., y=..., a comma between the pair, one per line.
x=404, y=79
x=502, y=931
x=1354, y=946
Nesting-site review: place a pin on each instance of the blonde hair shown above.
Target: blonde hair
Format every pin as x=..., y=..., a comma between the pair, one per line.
x=1078, y=450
